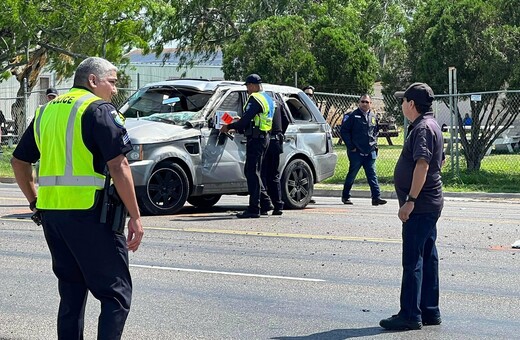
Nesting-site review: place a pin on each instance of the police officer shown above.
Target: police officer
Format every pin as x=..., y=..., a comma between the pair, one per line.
x=256, y=123
x=271, y=163
x=75, y=136
x=359, y=132
x=309, y=91
x=51, y=93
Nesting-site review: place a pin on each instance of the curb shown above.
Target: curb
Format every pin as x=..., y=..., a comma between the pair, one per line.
x=384, y=194
x=393, y=195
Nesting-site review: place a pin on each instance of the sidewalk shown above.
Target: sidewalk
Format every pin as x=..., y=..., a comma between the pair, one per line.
x=334, y=190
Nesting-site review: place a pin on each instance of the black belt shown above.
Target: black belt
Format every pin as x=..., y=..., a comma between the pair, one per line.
x=258, y=137
x=259, y=134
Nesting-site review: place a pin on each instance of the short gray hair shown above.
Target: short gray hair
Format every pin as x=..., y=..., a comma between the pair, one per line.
x=93, y=65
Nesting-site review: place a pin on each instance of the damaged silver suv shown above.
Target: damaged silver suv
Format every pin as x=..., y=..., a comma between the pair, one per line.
x=179, y=154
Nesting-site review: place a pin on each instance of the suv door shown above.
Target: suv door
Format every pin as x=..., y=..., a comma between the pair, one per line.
x=223, y=158
x=307, y=130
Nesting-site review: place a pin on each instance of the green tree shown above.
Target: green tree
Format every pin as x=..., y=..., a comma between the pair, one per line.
x=476, y=37
x=276, y=48
x=395, y=77
x=201, y=27
x=382, y=25
x=58, y=34
x=345, y=62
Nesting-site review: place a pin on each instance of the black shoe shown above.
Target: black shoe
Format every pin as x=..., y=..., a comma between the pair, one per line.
x=398, y=323
x=378, y=201
x=265, y=210
x=432, y=321
x=346, y=201
x=312, y=201
x=247, y=214
x=277, y=212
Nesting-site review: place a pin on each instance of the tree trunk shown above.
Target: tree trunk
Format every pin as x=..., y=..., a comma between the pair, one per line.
x=31, y=71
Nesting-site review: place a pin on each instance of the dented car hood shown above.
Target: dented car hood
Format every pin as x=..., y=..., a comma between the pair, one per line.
x=143, y=131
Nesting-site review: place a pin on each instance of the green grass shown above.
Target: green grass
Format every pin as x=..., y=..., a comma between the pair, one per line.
x=498, y=173
x=5, y=162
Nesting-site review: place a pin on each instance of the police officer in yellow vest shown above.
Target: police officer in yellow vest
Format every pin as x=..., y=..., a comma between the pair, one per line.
x=256, y=123
x=75, y=137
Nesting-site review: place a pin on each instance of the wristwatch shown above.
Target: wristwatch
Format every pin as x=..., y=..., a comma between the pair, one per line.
x=410, y=198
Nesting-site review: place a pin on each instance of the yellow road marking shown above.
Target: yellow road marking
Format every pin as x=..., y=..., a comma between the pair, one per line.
x=273, y=234
x=255, y=233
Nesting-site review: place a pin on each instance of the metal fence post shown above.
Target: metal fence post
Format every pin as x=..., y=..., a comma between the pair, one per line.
x=25, y=106
x=456, y=112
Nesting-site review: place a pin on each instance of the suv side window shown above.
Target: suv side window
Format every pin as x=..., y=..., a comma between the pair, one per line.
x=232, y=103
x=299, y=112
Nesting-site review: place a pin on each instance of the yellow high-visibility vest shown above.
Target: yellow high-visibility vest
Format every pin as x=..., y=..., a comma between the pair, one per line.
x=67, y=180
x=264, y=121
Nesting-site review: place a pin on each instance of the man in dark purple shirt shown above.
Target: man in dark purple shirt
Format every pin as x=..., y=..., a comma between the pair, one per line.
x=418, y=185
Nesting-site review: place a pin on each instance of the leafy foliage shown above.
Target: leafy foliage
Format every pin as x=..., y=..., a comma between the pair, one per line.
x=345, y=62
x=477, y=38
x=59, y=34
x=275, y=48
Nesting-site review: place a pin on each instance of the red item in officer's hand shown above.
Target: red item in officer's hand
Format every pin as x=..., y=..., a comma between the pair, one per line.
x=226, y=118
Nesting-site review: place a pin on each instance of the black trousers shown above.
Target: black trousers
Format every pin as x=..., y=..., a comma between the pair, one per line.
x=255, y=151
x=88, y=256
x=271, y=175
x=420, y=283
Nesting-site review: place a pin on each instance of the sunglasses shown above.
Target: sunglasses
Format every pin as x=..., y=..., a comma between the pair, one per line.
x=364, y=101
x=401, y=100
x=309, y=94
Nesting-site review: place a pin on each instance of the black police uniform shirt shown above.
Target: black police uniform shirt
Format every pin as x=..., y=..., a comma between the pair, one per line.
x=424, y=141
x=277, y=127
x=102, y=131
x=253, y=108
x=359, y=131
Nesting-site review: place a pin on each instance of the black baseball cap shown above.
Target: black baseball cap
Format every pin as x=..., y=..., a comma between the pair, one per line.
x=253, y=79
x=51, y=91
x=420, y=93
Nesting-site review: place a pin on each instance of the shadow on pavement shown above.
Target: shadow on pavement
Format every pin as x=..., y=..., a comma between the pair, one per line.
x=336, y=334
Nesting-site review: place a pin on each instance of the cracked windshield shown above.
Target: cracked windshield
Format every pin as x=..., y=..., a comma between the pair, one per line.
x=166, y=104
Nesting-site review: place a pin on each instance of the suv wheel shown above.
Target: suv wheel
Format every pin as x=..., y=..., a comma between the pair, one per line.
x=166, y=191
x=204, y=202
x=297, y=184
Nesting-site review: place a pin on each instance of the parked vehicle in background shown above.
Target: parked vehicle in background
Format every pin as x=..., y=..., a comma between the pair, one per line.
x=179, y=154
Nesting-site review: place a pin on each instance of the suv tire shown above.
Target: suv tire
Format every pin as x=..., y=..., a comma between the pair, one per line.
x=297, y=184
x=166, y=190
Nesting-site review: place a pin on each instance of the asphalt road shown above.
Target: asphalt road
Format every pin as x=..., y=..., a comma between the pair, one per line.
x=327, y=272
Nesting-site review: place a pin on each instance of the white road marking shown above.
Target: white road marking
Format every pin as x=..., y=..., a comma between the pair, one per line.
x=227, y=273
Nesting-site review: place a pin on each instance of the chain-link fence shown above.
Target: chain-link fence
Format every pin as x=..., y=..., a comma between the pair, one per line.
x=17, y=112
x=481, y=132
